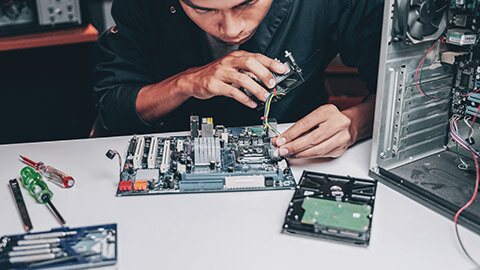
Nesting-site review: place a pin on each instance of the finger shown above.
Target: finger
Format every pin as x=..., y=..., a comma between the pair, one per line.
x=309, y=140
x=274, y=141
x=261, y=67
x=245, y=81
x=332, y=147
x=312, y=120
x=271, y=64
x=314, y=138
x=233, y=92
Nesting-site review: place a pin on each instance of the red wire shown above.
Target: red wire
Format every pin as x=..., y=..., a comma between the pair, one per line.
x=476, y=91
x=418, y=68
x=474, y=193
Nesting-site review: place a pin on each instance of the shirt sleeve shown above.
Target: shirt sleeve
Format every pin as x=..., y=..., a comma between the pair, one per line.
x=356, y=27
x=123, y=67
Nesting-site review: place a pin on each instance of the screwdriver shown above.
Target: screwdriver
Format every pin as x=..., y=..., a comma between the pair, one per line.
x=57, y=177
x=35, y=185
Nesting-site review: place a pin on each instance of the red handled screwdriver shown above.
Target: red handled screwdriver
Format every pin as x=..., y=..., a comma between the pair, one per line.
x=60, y=178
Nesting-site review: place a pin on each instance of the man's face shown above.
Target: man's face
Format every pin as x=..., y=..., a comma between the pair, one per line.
x=233, y=21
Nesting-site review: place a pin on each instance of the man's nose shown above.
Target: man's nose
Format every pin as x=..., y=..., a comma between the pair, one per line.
x=231, y=26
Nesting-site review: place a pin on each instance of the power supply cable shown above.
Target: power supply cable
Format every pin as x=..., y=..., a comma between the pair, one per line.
x=420, y=67
x=470, y=126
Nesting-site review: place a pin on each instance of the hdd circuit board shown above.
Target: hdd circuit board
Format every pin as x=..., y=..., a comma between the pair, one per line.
x=221, y=159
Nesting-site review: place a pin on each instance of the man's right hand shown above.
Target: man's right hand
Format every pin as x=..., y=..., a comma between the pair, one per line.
x=225, y=76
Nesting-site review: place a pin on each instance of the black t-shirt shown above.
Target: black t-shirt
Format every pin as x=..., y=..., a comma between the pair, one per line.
x=155, y=39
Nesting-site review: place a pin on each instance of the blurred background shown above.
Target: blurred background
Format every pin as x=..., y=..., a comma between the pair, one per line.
x=46, y=63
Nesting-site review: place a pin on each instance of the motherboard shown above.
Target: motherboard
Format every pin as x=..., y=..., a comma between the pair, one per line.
x=211, y=159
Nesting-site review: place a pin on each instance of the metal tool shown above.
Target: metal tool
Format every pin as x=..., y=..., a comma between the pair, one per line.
x=35, y=258
x=39, y=246
x=38, y=241
x=22, y=209
x=33, y=252
x=60, y=178
x=49, y=235
x=34, y=183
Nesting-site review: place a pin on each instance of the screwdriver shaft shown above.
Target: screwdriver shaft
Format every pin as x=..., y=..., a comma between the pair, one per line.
x=54, y=210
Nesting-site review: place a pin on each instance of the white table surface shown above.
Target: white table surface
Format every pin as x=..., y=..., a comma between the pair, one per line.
x=233, y=230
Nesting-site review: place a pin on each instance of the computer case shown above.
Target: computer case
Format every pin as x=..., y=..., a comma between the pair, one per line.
x=429, y=76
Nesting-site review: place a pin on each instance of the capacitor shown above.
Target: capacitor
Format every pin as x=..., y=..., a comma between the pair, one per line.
x=230, y=169
x=189, y=168
x=212, y=165
x=151, y=184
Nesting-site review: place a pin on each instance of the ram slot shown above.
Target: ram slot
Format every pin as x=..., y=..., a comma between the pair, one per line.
x=152, y=154
x=139, y=150
x=165, y=166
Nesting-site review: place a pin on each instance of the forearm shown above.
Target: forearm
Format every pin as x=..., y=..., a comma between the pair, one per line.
x=361, y=117
x=157, y=100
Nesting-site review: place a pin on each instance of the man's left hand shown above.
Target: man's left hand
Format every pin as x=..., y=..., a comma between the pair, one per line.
x=325, y=132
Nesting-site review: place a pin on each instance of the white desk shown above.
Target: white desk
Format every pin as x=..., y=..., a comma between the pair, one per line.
x=238, y=230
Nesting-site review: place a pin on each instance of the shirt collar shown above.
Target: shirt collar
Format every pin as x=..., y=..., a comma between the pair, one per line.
x=265, y=32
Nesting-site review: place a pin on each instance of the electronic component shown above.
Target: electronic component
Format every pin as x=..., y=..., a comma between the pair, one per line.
x=152, y=153
x=194, y=126
x=25, y=16
x=419, y=21
x=22, y=209
x=32, y=181
x=461, y=37
x=139, y=150
x=140, y=185
x=125, y=186
x=207, y=127
x=206, y=150
x=165, y=165
x=230, y=159
x=333, y=207
x=58, y=12
x=62, y=248
x=285, y=82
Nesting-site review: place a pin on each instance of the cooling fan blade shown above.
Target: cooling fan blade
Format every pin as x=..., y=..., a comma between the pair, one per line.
x=415, y=26
x=420, y=20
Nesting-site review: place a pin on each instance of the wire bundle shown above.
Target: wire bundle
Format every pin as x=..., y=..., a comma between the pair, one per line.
x=266, y=124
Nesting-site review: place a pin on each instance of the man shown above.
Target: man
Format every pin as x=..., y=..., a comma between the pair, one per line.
x=168, y=59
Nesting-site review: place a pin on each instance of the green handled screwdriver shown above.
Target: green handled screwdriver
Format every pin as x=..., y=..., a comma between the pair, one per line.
x=35, y=185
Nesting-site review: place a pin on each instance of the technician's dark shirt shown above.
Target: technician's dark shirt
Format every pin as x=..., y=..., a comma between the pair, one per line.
x=156, y=40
